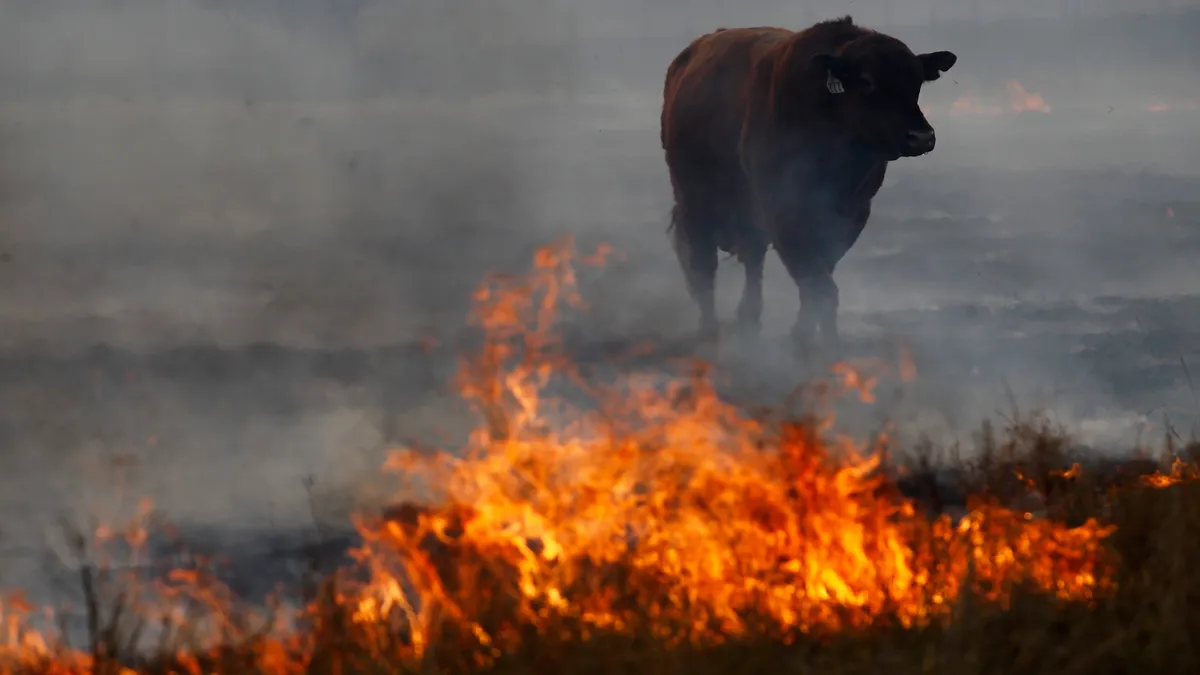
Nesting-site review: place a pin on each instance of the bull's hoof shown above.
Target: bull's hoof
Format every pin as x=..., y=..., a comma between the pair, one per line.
x=807, y=351
x=707, y=340
x=748, y=327
x=803, y=339
x=831, y=351
x=749, y=319
x=709, y=331
x=806, y=358
x=745, y=339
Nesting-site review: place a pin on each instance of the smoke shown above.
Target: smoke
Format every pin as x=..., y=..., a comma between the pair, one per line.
x=1015, y=257
x=226, y=228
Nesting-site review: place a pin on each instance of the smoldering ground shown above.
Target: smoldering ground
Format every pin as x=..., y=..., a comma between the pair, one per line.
x=229, y=231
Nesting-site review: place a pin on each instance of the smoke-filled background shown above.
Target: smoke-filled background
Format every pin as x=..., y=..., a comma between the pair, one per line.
x=228, y=231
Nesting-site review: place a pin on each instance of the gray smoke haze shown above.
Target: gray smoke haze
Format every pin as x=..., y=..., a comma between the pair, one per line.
x=227, y=227
x=216, y=220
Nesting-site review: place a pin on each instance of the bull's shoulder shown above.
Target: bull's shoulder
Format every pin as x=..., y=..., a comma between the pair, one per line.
x=826, y=36
x=832, y=32
x=725, y=55
x=779, y=47
x=708, y=82
x=704, y=84
x=769, y=95
x=724, y=40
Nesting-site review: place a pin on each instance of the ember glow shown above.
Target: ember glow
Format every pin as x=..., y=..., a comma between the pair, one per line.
x=1016, y=99
x=1181, y=472
x=1021, y=100
x=1162, y=106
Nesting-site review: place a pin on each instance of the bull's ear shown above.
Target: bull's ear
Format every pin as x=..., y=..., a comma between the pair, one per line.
x=936, y=63
x=838, y=72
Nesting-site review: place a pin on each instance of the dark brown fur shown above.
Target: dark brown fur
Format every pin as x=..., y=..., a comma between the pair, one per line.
x=761, y=154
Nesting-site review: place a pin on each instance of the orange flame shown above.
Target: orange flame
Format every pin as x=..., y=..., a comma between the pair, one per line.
x=671, y=507
x=657, y=508
x=972, y=105
x=1017, y=100
x=1021, y=100
x=1181, y=472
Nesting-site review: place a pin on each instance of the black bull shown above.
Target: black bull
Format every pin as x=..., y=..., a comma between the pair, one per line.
x=776, y=138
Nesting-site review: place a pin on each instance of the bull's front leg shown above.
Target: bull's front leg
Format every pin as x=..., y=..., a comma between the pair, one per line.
x=816, y=326
x=808, y=318
x=823, y=298
x=789, y=230
x=753, y=254
x=808, y=238
x=807, y=264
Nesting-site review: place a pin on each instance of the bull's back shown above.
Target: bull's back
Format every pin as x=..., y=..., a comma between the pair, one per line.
x=704, y=95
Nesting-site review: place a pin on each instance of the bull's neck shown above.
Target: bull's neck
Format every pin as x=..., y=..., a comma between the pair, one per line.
x=846, y=166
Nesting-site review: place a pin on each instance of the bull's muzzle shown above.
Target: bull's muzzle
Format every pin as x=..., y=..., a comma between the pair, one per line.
x=920, y=142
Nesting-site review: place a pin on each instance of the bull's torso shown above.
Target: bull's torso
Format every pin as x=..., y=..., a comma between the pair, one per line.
x=819, y=193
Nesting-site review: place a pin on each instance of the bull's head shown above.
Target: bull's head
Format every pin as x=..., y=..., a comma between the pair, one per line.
x=876, y=82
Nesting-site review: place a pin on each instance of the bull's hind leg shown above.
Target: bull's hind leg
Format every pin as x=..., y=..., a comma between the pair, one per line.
x=696, y=248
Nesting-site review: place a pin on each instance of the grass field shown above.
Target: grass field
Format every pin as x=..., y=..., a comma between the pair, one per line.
x=1142, y=618
x=663, y=530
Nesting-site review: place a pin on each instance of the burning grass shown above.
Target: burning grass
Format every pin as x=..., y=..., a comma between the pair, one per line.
x=660, y=529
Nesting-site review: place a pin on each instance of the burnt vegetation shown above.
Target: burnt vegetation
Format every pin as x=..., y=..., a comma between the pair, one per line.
x=1145, y=620
x=690, y=536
